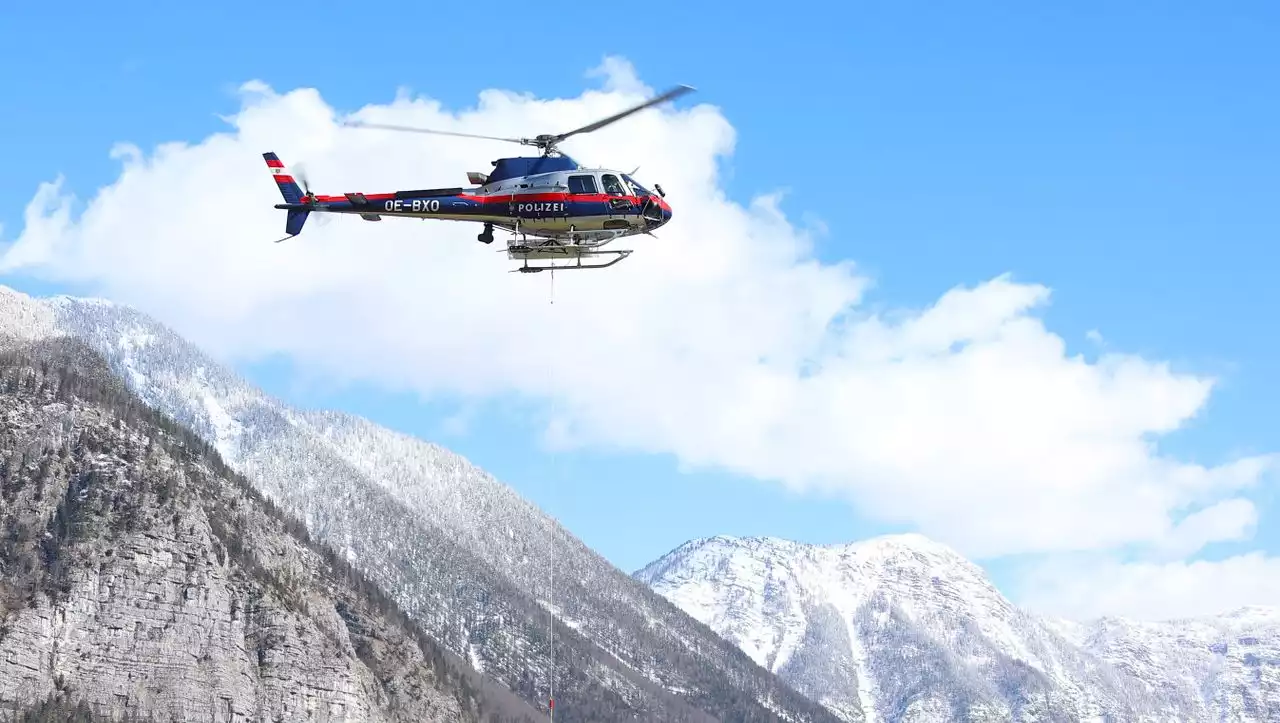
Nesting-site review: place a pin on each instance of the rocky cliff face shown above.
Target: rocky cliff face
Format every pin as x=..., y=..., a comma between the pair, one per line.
x=140, y=574
x=1216, y=668
x=901, y=629
x=463, y=553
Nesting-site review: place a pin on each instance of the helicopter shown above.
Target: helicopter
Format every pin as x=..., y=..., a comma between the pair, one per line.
x=554, y=208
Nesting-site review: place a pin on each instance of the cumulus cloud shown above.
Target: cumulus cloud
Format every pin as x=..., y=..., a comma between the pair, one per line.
x=1092, y=587
x=724, y=342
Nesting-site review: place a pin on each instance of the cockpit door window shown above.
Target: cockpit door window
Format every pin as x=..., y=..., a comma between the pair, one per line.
x=612, y=185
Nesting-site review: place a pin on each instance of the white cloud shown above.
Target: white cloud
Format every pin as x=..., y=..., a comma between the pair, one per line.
x=1227, y=521
x=724, y=342
x=1090, y=588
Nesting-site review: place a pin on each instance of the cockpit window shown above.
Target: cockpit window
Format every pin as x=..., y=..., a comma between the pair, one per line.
x=612, y=186
x=640, y=190
x=582, y=184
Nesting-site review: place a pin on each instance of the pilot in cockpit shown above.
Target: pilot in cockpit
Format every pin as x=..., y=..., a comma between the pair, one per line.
x=612, y=186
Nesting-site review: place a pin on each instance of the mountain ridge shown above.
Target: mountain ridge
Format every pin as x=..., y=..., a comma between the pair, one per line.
x=163, y=585
x=772, y=596
x=419, y=518
x=849, y=651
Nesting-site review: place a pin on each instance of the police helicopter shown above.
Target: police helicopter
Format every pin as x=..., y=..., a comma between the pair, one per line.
x=555, y=209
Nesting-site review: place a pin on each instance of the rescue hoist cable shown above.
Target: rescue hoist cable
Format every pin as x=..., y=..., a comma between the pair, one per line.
x=551, y=610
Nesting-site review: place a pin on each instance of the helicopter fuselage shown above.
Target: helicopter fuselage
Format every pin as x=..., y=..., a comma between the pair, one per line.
x=570, y=211
x=578, y=206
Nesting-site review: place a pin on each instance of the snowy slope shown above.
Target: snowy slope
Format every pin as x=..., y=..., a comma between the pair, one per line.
x=22, y=317
x=457, y=549
x=140, y=579
x=898, y=628
x=1226, y=667
x=907, y=630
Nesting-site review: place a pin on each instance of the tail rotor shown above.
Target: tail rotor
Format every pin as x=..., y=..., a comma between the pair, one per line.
x=301, y=174
x=308, y=197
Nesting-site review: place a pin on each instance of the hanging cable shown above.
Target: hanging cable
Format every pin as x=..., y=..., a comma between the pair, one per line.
x=551, y=696
x=551, y=601
x=557, y=473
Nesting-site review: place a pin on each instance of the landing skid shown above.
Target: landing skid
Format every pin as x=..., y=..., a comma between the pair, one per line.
x=551, y=249
x=620, y=255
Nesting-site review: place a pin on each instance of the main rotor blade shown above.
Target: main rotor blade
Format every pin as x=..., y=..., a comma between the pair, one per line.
x=675, y=92
x=412, y=129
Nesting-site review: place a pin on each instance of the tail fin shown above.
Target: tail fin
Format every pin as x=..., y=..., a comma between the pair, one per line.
x=292, y=193
x=293, y=222
x=289, y=188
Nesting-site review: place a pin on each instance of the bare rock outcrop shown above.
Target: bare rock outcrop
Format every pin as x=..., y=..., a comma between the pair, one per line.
x=139, y=574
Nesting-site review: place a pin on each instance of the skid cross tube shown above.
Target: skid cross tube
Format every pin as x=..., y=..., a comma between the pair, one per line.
x=620, y=254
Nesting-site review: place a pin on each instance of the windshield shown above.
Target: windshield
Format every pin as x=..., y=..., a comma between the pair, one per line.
x=640, y=190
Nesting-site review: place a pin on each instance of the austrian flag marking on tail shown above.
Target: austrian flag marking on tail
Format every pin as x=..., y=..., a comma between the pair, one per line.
x=289, y=189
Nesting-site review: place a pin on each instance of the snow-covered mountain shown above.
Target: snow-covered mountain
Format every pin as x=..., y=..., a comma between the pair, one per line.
x=462, y=553
x=892, y=629
x=900, y=628
x=140, y=578
x=1227, y=666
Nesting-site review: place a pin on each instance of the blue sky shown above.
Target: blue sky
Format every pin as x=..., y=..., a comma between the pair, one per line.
x=1125, y=155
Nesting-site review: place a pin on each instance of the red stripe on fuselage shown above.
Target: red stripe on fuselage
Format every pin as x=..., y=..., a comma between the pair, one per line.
x=275, y=164
x=284, y=179
x=368, y=196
